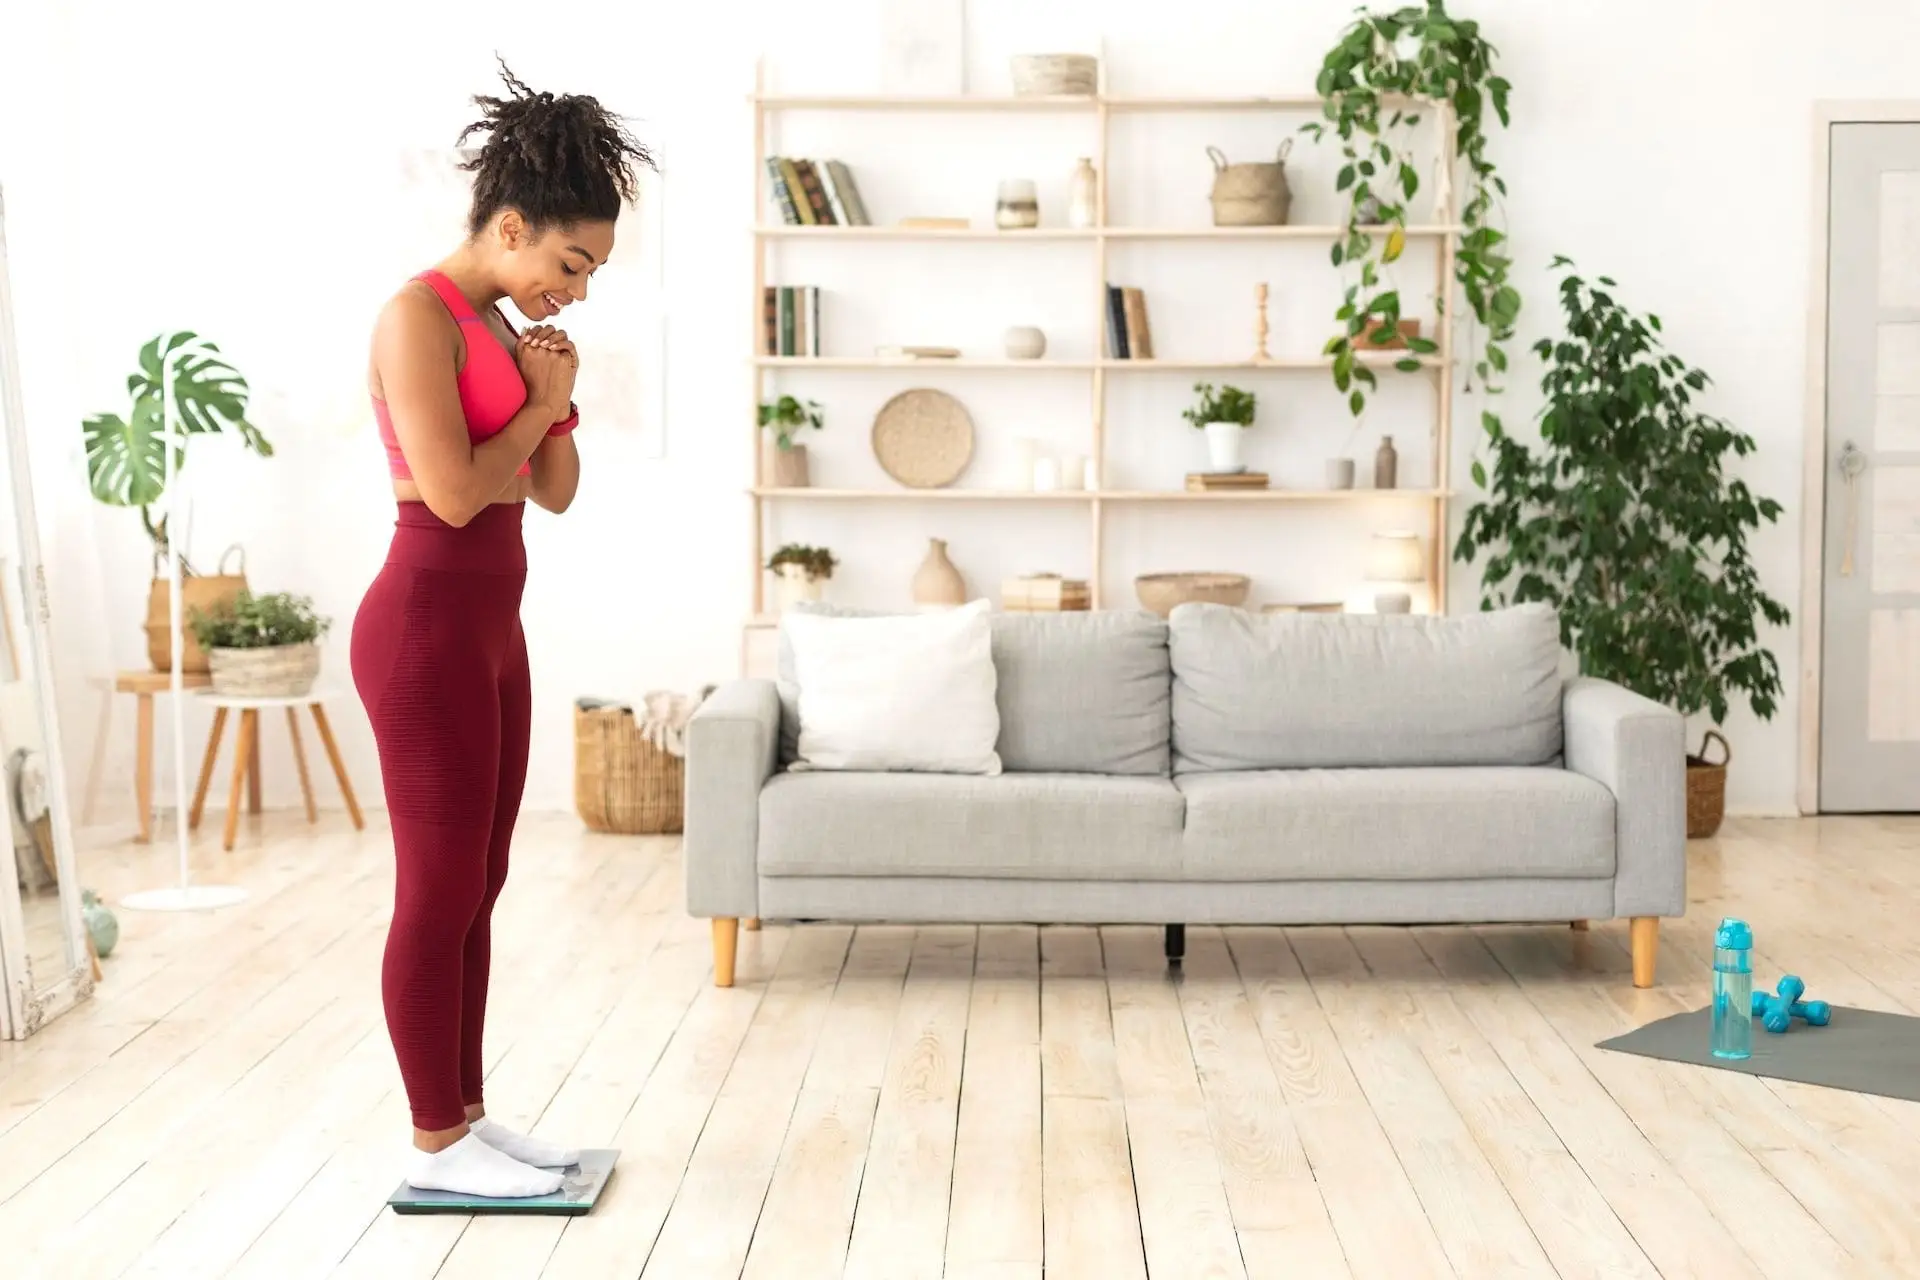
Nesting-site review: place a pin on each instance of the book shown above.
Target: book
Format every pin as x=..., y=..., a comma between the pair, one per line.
x=782, y=194
x=816, y=194
x=770, y=321
x=917, y=353
x=1045, y=593
x=937, y=223
x=1116, y=324
x=848, y=194
x=790, y=176
x=1223, y=481
x=1134, y=310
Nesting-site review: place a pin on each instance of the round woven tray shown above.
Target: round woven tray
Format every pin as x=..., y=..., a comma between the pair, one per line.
x=923, y=438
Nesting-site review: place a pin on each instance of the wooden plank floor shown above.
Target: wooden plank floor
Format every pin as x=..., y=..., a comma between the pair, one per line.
x=977, y=1104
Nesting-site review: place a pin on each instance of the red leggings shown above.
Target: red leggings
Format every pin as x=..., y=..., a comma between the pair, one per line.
x=441, y=665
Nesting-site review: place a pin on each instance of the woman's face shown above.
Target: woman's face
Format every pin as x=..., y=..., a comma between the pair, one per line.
x=545, y=271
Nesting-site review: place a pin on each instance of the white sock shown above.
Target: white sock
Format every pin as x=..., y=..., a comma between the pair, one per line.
x=471, y=1167
x=537, y=1152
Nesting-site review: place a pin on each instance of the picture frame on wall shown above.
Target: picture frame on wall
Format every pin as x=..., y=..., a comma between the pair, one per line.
x=923, y=48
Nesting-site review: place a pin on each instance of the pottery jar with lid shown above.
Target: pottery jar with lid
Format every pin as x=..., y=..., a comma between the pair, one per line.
x=1018, y=206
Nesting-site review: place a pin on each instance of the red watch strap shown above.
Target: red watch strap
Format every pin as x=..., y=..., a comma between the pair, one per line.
x=567, y=423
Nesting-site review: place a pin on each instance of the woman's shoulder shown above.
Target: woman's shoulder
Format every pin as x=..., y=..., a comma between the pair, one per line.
x=414, y=313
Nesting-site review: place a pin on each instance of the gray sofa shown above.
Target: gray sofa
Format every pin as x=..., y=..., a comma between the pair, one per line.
x=1219, y=767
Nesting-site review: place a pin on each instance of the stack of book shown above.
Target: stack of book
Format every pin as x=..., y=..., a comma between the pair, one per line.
x=1224, y=481
x=1045, y=593
x=1128, y=337
x=790, y=320
x=815, y=193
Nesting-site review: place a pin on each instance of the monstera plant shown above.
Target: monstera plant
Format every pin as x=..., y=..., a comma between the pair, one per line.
x=126, y=458
x=182, y=387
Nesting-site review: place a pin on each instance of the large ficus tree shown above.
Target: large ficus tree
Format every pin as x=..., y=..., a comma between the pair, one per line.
x=126, y=459
x=1625, y=520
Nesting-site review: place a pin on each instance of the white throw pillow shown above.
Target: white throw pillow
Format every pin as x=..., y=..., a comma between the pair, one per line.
x=906, y=694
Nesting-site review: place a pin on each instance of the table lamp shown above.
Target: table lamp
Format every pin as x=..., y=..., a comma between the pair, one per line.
x=1394, y=557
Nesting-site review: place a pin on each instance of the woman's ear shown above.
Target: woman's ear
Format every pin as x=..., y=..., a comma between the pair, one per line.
x=513, y=230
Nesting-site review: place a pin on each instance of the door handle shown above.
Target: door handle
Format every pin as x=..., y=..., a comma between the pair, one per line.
x=1852, y=461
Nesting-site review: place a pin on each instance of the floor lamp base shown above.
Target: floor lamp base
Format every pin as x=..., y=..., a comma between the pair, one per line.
x=198, y=897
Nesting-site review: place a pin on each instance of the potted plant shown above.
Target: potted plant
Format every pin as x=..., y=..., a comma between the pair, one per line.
x=1626, y=522
x=799, y=572
x=786, y=418
x=127, y=468
x=1223, y=417
x=1382, y=60
x=262, y=646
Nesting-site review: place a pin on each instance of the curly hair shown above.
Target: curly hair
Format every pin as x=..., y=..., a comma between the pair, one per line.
x=558, y=160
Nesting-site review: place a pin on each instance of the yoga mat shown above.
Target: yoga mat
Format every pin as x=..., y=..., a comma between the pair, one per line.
x=1861, y=1050
x=576, y=1195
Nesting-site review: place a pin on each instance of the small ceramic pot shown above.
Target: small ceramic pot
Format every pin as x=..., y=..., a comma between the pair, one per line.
x=1339, y=473
x=1018, y=207
x=1223, y=445
x=1024, y=342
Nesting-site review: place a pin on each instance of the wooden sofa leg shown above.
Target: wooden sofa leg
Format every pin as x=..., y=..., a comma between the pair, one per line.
x=726, y=936
x=1580, y=926
x=1176, y=944
x=751, y=924
x=1646, y=949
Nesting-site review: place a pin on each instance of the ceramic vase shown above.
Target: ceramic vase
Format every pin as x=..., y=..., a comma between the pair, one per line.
x=1223, y=445
x=1024, y=342
x=1386, y=464
x=1339, y=473
x=937, y=584
x=787, y=468
x=1083, y=195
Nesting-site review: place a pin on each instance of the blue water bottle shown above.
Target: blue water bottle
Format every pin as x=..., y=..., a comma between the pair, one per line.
x=1733, y=990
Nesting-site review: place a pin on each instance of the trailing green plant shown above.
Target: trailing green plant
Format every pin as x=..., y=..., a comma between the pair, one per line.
x=1626, y=521
x=815, y=562
x=788, y=417
x=126, y=458
x=259, y=622
x=1231, y=404
x=1374, y=83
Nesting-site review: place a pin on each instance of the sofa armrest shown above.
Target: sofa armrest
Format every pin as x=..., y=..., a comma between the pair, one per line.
x=1637, y=749
x=732, y=742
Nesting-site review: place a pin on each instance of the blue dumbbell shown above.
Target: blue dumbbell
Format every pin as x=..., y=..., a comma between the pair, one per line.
x=1777, y=1009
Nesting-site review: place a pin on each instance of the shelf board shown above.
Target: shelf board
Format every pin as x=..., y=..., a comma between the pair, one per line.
x=1287, y=232
x=924, y=102
x=894, y=232
x=1065, y=102
x=1090, y=495
x=1316, y=364
x=895, y=362
x=916, y=495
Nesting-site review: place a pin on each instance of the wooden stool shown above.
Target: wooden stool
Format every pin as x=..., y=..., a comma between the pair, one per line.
x=246, y=755
x=144, y=684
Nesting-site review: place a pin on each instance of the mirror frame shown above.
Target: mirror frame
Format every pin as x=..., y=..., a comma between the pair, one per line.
x=31, y=1000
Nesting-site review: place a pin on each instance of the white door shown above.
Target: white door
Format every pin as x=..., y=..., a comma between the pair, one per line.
x=1870, y=641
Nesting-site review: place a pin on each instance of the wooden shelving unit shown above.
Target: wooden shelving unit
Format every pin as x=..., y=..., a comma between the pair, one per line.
x=1102, y=105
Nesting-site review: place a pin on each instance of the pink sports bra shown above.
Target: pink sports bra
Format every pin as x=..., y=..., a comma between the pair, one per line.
x=491, y=389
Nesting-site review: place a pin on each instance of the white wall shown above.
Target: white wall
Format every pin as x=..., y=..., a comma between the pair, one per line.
x=172, y=166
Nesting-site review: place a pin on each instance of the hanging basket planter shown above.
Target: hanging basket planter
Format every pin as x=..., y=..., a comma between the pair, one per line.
x=1707, y=788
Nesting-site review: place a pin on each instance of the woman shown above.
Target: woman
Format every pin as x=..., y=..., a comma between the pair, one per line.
x=477, y=421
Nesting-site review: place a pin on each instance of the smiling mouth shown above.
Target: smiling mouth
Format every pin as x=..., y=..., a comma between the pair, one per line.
x=553, y=304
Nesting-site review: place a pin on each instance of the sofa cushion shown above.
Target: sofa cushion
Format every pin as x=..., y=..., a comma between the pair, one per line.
x=1304, y=691
x=1022, y=825
x=1077, y=692
x=1396, y=824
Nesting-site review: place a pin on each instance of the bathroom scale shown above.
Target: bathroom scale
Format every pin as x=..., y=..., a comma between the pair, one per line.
x=584, y=1182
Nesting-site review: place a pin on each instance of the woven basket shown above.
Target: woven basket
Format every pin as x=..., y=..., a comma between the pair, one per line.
x=1252, y=194
x=277, y=671
x=1707, y=789
x=621, y=782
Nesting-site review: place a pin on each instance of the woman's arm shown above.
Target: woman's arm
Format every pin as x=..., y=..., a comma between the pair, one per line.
x=556, y=473
x=414, y=357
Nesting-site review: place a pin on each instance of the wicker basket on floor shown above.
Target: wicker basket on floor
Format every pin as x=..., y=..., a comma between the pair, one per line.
x=621, y=782
x=1707, y=788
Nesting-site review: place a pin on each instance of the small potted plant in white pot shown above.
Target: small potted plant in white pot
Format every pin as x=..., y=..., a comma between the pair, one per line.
x=799, y=573
x=1223, y=416
x=262, y=646
x=787, y=461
